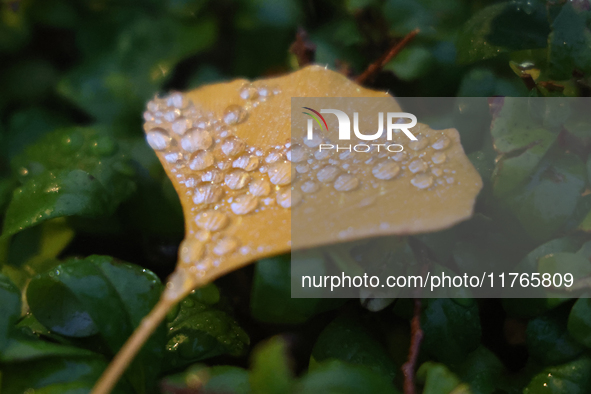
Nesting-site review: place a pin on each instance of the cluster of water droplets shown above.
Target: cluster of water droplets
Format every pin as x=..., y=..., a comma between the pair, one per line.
x=222, y=175
x=421, y=162
x=225, y=178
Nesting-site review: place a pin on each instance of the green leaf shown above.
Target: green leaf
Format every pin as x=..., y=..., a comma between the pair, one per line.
x=217, y=379
x=34, y=249
x=199, y=331
x=503, y=27
x=451, y=330
x=52, y=375
x=437, y=379
x=572, y=378
x=113, y=84
x=97, y=294
x=336, y=376
x=525, y=308
x=569, y=43
x=411, y=63
x=482, y=371
x=10, y=309
x=77, y=171
x=579, y=321
x=347, y=339
x=271, y=371
x=548, y=340
x=546, y=203
x=271, y=300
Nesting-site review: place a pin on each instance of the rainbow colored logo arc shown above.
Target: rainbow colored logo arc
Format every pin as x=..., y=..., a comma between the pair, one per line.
x=316, y=117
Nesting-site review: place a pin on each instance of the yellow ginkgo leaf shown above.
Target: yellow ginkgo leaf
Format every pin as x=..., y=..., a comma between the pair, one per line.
x=242, y=176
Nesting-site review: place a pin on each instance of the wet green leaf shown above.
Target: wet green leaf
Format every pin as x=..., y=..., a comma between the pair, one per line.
x=573, y=378
x=97, y=294
x=199, y=331
x=502, y=28
x=77, y=171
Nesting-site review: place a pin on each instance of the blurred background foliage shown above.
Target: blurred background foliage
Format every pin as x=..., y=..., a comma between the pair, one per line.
x=74, y=80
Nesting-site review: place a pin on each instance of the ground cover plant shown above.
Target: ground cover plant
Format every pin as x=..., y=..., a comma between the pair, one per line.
x=91, y=224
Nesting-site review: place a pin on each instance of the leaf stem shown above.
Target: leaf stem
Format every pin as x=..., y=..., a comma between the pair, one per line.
x=132, y=346
x=384, y=59
x=408, y=369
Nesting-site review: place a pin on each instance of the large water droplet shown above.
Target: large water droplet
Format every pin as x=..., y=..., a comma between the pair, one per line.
x=196, y=139
x=314, y=142
x=244, y=204
x=170, y=116
x=420, y=143
x=236, y=179
x=441, y=143
x=212, y=220
x=280, y=174
x=153, y=106
x=288, y=198
x=207, y=194
x=385, y=170
x=246, y=162
x=200, y=160
x=173, y=157
x=158, y=139
x=437, y=171
x=232, y=146
x=214, y=176
x=181, y=125
x=327, y=174
x=259, y=187
x=310, y=187
x=234, y=114
x=346, y=182
x=296, y=154
x=438, y=157
x=191, y=250
x=399, y=156
x=422, y=181
x=175, y=100
x=417, y=165
x=248, y=92
x=225, y=245
x=273, y=156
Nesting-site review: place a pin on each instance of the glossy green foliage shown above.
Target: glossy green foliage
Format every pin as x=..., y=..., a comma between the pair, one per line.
x=199, y=331
x=271, y=372
x=78, y=179
x=69, y=172
x=98, y=295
